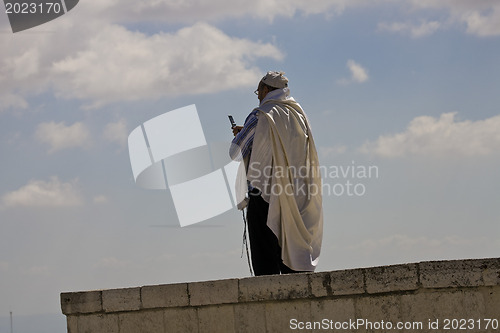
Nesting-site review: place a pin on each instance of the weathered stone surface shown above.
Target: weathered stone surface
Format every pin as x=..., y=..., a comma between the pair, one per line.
x=216, y=319
x=334, y=313
x=250, y=317
x=128, y=299
x=281, y=315
x=347, y=282
x=213, y=292
x=491, y=297
x=96, y=323
x=142, y=322
x=455, y=273
x=181, y=320
x=491, y=272
x=375, y=309
x=320, y=284
x=165, y=296
x=435, y=307
x=421, y=293
x=274, y=287
x=81, y=302
x=391, y=278
x=72, y=324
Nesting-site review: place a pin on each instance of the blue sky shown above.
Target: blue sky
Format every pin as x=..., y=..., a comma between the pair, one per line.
x=410, y=87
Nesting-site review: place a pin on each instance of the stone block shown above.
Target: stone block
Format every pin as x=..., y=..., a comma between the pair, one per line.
x=216, y=319
x=164, y=296
x=455, y=273
x=250, y=317
x=72, y=324
x=274, y=287
x=142, y=322
x=128, y=299
x=347, y=282
x=491, y=272
x=181, y=320
x=491, y=297
x=376, y=311
x=81, y=302
x=391, y=278
x=213, y=292
x=95, y=323
x=285, y=315
x=334, y=313
x=436, y=306
x=473, y=304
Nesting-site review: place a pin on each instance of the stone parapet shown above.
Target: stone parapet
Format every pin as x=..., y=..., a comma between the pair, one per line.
x=419, y=292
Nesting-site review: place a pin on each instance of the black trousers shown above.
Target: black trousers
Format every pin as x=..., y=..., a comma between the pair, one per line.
x=264, y=246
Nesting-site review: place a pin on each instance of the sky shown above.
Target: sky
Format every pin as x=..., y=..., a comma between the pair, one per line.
x=402, y=97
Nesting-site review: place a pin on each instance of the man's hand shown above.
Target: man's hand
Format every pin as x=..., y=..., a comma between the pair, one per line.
x=237, y=129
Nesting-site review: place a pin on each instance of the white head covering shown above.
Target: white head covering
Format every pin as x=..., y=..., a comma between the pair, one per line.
x=275, y=79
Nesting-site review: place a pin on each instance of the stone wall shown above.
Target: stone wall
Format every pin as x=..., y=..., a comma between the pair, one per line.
x=421, y=297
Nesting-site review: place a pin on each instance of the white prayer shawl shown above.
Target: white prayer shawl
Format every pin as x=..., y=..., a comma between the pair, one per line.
x=284, y=166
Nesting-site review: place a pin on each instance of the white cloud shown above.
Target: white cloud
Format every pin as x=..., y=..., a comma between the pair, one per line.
x=38, y=193
x=336, y=150
x=59, y=136
x=25, y=65
x=358, y=73
x=445, y=136
x=416, y=31
x=200, y=10
x=120, y=65
x=483, y=25
x=116, y=132
x=109, y=63
x=482, y=18
x=10, y=100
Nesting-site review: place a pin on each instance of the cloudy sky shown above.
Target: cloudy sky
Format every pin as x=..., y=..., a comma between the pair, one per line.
x=407, y=89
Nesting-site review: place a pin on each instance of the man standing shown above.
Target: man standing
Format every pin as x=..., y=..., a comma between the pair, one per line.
x=284, y=212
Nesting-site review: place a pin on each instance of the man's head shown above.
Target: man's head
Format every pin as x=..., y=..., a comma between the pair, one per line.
x=271, y=81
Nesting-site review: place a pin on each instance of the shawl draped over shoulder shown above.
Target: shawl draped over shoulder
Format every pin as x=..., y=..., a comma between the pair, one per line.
x=284, y=165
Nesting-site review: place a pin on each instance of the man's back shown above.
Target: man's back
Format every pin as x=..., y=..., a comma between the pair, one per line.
x=285, y=215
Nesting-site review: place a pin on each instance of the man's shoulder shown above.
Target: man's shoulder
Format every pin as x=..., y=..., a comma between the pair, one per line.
x=266, y=107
